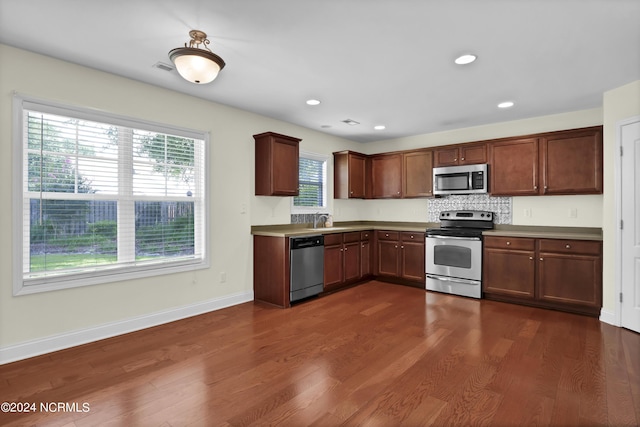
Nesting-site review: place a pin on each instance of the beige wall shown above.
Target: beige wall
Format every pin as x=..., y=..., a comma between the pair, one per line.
x=37, y=316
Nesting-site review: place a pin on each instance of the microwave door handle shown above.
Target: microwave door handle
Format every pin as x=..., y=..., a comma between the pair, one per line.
x=470, y=181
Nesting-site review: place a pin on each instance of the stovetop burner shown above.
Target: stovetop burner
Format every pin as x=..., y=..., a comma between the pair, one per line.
x=463, y=223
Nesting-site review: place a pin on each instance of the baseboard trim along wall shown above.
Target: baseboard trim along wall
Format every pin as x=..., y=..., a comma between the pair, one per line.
x=608, y=317
x=53, y=343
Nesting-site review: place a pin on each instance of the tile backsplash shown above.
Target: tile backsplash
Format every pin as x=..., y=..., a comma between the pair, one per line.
x=500, y=206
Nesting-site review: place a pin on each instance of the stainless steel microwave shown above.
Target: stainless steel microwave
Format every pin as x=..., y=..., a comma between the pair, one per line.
x=467, y=179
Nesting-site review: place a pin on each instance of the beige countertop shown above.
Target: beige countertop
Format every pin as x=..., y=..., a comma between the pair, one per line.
x=295, y=230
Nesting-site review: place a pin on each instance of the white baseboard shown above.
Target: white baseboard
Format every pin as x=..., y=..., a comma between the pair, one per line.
x=609, y=317
x=57, y=342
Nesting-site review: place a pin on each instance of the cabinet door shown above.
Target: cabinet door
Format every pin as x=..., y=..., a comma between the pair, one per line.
x=333, y=267
x=276, y=165
x=417, y=174
x=514, y=167
x=351, y=256
x=509, y=272
x=446, y=156
x=570, y=279
x=571, y=162
x=473, y=154
x=388, y=258
x=386, y=173
x=356, y=176
x=412, y=247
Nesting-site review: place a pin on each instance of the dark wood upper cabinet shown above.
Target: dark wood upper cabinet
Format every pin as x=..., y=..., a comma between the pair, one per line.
x=563, y=162
x=513, y=169
x=571, y=162
x=386, y=172
x=467, y=154
x=349, y=175
x=417, y=179
x=276, y=163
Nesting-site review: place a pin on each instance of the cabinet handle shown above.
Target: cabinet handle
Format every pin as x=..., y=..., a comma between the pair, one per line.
x=363, y=245
x=545, y=187
x=351, y=192
x=341, y=250
x=398, y=192
x=568, y=246
x=345, y=249
x=541, y=259
x=535, y=187
x=455, y=160
x=412, y=236
x=386, y=235
x=462, y=159
x=401, y=247
x=508, y=243
x=396, y=246
x=531, y=258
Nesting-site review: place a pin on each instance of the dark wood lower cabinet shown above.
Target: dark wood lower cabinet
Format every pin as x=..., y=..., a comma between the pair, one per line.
x=551, y=273
x=271, y=264
x=342, y=260
x=401, y=257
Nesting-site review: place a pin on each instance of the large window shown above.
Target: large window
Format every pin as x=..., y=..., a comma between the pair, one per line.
x=104, y=197
x=312, y=184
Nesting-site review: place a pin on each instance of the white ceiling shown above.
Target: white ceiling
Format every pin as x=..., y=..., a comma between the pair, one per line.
x=384, y=62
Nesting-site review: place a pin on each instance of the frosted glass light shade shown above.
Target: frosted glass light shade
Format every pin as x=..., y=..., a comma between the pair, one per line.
x=196, y=65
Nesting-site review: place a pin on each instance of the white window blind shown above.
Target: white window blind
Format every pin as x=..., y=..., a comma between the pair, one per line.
x=106, y=198
x=312, y=183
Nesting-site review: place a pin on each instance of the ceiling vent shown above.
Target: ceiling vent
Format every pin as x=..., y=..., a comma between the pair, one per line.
x=164, y=67
x=351, y=122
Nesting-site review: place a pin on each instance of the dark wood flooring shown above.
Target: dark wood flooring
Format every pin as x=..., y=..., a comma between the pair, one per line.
x=376, y=354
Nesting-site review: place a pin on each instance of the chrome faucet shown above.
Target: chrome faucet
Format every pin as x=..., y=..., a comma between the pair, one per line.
x=317, y=217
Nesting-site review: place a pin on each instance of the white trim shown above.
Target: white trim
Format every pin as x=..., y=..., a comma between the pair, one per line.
x=617, y=314
x=314, y=209
x=609, y=317
x=57, y=342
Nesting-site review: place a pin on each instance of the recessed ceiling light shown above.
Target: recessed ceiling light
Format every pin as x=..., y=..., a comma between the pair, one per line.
x=313, y=102
x=506, y=104
x=465, y=59
x=351, y=122
x=380, y=127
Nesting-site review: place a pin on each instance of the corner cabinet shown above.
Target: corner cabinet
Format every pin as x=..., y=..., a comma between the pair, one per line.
x=349, y=175
x=550, y=273
x=276, y=164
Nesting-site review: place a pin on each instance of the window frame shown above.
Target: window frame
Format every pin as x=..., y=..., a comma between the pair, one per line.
x=116, y=272
x=314, y=209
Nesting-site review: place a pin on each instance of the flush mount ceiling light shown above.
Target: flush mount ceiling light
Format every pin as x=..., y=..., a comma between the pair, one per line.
x=465, y=59
x=195, y=63
x=506, y=104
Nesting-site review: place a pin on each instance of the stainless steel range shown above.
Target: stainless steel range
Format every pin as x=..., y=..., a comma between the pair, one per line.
x=453, y=252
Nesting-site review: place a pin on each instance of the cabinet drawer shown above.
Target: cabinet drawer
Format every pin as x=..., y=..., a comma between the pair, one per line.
x=411, y=237
x=388, y=235
x=351, y=237
x=517, y=243
x=333, y=239
x=588, y=247
x=365, y=235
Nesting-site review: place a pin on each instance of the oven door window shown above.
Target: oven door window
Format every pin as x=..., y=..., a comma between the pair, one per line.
x=452, y=256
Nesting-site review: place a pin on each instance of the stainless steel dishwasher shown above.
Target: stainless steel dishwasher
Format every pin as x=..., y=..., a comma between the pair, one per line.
x=307, y=266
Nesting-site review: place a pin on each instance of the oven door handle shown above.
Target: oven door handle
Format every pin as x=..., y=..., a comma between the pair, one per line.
x=454, y=279
x=453, y=237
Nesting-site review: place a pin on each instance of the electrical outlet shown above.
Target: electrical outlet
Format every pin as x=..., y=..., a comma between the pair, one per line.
x=223, y=277
x=527, y=212
x=573, y=213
